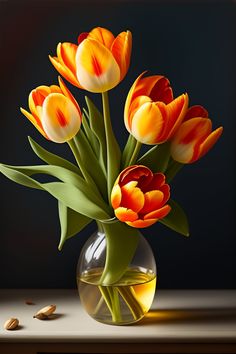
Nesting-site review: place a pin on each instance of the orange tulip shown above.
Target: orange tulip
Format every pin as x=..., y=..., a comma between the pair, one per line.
x=139, y=196
x=54, y=112
x=151, y=115
x=98, y=63
x=194, y=138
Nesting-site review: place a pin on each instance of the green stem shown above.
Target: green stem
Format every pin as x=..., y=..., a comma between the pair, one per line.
x=85, y=174
x=135, y=153
x=76, y=154
x=127, y=152
x=115, y=303
x=106, y=296
x=113, y=150
x=100, y=302
x=129, y=298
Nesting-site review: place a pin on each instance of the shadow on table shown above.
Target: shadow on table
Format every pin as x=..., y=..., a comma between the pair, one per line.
x=188, y=316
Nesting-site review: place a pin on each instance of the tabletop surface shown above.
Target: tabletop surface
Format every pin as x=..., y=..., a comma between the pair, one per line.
x=199, y=316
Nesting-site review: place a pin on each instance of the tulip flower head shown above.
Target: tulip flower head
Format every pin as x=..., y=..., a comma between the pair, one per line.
x=54, y=112
x=151, y=114
x=139, y=196
x=194, y=138
x=99, y=61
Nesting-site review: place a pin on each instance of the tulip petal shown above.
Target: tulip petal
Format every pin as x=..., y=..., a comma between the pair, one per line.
x=102, y=35
x=194, y=129
x=130, y=97
x=66, y=53
x=55, y=89
x=196, y=111
x=37, y=97
x=159, y=214
x=145, y=85
x=136, y=104
x=121, y=50
x=60, y=118
x=147, y=123
x=162, y=91
x=188, y=138
x=153, y=201
x=165, y=189
x=140, y=224
x=97, y=70
x=155, y=183
x=68, y=94
x=35, y=121
x=82, y=36
x=124, y=214
x=209, y=142
x=116, y=196
x=176, y=112
x=157, y=87
x=66, y=73
x=135, y=172
x=132, y=197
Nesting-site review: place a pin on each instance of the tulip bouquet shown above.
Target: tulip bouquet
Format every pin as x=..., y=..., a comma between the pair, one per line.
x=121, y=190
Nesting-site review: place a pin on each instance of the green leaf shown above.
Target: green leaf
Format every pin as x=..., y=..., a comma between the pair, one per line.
x=59, y=172
x=19, y=177
x=80, y=199
x=76, y=199
x=71, y=222
x=51, y=158
x=113, y=149
x=90, y=162
x=91, y=137
x=156, y=158
x=128, y=151
x=97, y=126
x=176, y=219
x=121, y=244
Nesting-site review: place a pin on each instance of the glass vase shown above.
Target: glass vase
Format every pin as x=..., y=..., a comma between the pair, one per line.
x=130, y=297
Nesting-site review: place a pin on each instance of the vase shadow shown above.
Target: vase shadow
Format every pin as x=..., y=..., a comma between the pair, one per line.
x=168, y=316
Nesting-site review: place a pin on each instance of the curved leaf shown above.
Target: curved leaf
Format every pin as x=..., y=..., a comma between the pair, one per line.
x=82, y=200
x=113, y=148
x=51, y=158
x=128, y=151
x=156, y=158
x=97, y=126
x=90, y=135
x=176, y=219
x=75, y=199
x=64, y=175
x=19, y=177
x=71, y=222
x=90, y=162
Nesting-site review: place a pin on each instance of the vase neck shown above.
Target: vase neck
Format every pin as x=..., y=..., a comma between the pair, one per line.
x=100, y=226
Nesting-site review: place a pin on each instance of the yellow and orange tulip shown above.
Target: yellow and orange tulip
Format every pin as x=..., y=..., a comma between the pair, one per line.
x=139, y=196
x=194, y=138
x=54, y=112
x=151, y=114
x=98, y=63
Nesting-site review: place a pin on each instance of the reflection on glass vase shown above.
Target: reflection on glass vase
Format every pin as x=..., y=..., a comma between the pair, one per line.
x=127, y=300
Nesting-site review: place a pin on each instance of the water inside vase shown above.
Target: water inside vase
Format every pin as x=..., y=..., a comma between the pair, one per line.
x=125, y=302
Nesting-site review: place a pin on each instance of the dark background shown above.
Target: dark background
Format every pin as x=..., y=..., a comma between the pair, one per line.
x=193, y=44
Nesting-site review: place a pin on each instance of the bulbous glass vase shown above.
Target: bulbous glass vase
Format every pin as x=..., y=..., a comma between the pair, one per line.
x=128, y=299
